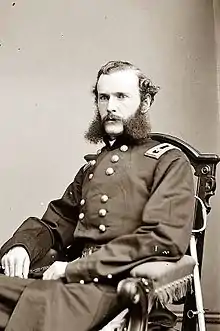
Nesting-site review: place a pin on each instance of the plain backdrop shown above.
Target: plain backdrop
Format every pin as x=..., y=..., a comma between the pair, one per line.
x=50, y=52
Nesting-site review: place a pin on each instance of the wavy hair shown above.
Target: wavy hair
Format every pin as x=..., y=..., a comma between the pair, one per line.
x=146, y=86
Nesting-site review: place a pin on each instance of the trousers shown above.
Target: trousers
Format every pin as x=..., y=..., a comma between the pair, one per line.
x=49, y=305
x=52, y=305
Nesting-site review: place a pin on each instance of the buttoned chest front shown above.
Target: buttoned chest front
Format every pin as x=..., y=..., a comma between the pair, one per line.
x=115, y=190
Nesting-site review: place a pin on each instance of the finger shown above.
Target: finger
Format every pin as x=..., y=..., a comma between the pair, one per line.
x=11, y=266
x=18, y=267
x=26, y=267
x=7, y=266
x=48, y=274
x=3, y=262
x=45, y=274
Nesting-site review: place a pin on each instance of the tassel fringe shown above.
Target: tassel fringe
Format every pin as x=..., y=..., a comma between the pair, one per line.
x=174, y=291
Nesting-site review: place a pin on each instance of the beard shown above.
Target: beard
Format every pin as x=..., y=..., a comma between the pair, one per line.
x=136, y=128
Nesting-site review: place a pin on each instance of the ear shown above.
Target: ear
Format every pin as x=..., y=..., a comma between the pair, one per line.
x=146, y=104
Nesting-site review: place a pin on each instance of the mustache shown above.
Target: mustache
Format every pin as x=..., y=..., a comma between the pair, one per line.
x=111, y=117
x=136, y=128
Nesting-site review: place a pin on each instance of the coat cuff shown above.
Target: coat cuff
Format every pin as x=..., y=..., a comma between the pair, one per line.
x=78, y=272
x=37, y=241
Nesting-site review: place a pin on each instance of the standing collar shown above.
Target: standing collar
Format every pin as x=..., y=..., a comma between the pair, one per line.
x=122, y=140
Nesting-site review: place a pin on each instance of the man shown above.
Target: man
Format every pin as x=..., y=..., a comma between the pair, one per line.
x=125, y=207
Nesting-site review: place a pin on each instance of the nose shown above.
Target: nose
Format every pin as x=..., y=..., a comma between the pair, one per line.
x=111, y=111
x=111, y=105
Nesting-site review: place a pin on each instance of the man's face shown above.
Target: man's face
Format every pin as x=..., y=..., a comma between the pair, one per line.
x=118, y=99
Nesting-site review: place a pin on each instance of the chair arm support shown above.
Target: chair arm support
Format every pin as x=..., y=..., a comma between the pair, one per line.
x=132, y=294
x=166, y=281
x=132, y=290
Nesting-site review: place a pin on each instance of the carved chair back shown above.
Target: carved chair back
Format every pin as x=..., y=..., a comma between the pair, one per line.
x=204, y=167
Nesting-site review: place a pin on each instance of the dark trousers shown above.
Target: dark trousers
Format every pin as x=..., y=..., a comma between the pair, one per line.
x=36, y=305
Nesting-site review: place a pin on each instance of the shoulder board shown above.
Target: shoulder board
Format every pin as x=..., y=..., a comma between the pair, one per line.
x=157, y=151
x=89, y=157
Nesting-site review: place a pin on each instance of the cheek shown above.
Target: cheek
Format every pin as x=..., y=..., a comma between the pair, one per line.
x=102, y=110
x=130, y=109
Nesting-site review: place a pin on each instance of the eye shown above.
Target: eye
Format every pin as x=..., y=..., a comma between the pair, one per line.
x=103, y=97
x=121, y=95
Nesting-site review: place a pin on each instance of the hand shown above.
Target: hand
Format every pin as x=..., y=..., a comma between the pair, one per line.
x=55, y=271
x=16, y=262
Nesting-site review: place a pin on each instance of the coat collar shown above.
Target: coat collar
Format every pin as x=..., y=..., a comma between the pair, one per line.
x=122, y=140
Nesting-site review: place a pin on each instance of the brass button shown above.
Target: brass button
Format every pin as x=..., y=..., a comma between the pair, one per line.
x=90, y=176
x=95, y=280
x=114, y=158
x=109, y=276
x=123, y=148
x=102, y=212
x=104, y=198
x=93, y=162
x=82, y=281
x=109, y=171
x=82, y=202
x=81, y=216
x=99, y=151
x=102, y=228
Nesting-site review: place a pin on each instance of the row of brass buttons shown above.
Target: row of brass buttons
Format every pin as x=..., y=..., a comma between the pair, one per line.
x=95, y=280
x=104, y=198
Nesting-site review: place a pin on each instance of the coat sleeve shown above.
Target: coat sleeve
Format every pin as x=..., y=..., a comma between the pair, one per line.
x=165, y=228
x=56, y=227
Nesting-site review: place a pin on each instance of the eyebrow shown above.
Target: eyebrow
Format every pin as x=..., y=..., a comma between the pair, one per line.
x=126, y=93
x=115, y=93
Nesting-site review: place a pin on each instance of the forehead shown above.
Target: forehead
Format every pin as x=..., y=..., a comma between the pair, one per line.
x=118, y=81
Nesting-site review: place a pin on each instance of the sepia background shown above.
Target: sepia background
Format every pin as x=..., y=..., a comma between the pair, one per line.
x=50, y=51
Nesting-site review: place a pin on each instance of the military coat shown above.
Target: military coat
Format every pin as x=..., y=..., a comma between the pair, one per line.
x=132, y=202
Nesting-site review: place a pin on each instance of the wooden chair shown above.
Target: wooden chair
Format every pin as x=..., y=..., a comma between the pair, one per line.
x=175, y=282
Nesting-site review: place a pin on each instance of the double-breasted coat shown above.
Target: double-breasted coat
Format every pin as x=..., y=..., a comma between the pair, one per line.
x=129, y=204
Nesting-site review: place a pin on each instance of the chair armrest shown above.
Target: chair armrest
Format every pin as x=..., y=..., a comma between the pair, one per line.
x=166, y=281
x=163, y=272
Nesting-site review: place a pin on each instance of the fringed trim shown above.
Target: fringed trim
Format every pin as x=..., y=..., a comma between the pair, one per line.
x=174, y=291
